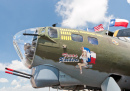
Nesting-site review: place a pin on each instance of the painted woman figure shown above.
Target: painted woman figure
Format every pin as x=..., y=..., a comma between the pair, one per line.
x=84, y=58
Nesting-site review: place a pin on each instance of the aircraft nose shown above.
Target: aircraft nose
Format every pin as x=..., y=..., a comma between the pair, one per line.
x=29, y=51
x=25, y=46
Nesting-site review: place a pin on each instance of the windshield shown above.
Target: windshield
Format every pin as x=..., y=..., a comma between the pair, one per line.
x=52, y=33
x=25, y=45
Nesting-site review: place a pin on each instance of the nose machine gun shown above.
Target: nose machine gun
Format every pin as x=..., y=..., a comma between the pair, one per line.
x=18, y=73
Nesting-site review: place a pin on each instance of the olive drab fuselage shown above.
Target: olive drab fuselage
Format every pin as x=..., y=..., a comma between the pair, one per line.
x=112, y=54
x=88, y=58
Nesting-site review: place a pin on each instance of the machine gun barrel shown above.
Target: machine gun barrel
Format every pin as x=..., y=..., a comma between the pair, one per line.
x=30, y=34
x=17, y=74
x=21, y=74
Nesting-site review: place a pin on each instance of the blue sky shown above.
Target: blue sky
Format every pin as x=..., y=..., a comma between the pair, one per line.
x=19, y=15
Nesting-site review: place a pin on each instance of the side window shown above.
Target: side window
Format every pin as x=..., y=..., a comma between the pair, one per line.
x=52, y=33
x=76, y=37
x=93, y=40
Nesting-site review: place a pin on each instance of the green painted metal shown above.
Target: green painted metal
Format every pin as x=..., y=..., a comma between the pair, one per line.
x=111, y=57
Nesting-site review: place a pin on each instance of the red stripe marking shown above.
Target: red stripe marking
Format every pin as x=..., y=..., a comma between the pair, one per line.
x=8, y=72
x=10, y=69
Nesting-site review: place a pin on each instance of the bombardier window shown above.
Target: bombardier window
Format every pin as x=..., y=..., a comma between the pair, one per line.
x=76, y=37
x=93, y=40
x=52, y=33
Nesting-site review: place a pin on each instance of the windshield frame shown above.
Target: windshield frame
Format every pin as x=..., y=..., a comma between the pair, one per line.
x=55, y=28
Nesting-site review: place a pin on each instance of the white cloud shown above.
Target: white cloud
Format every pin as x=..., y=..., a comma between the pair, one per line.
x=2, y=66
x=14, y=82
x=18, y=65
x=78, y=13
x=21, y=80
x=22, y=84
x=15, y=64
x=128, y=1
x=26, y=87
x=3, y=80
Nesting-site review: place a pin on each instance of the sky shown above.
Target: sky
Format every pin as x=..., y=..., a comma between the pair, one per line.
x=17, y=15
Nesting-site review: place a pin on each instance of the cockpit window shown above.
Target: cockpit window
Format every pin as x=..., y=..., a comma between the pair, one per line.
x=93, y=40
x=52, y=33
x=76, y=37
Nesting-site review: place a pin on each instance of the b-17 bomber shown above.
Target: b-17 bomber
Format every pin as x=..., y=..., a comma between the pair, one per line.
x=72, y=59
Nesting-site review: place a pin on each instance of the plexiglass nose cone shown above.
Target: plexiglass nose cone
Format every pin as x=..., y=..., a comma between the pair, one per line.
x=25, y=45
